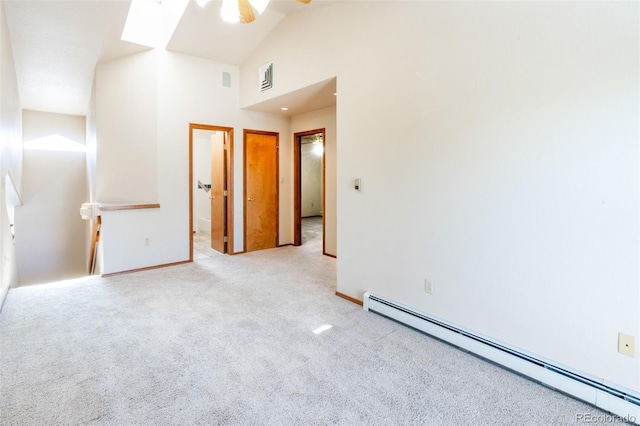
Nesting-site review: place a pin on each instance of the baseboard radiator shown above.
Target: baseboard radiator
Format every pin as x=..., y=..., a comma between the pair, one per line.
x=619, y=401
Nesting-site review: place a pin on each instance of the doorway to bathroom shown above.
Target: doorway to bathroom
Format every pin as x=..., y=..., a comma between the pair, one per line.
x=309, y=188
x=210, y=190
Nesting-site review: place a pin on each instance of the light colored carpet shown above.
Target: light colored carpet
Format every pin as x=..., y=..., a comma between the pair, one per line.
x=312, y=231
x=229, y=340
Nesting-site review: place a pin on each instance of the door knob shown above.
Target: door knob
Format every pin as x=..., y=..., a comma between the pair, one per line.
x=250, y=199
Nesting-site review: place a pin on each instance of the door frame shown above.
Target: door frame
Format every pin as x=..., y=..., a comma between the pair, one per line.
x=244, y=180
x=297, y=184
x=229, y=173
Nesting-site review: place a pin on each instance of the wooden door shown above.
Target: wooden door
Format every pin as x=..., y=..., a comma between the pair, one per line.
x=217, y=194
x=261, y=190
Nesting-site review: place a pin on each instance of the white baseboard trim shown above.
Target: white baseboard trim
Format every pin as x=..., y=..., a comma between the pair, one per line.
x=620, y=401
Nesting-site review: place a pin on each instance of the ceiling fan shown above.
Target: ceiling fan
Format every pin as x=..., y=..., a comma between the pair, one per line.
x=242, y=10
x=246, y=9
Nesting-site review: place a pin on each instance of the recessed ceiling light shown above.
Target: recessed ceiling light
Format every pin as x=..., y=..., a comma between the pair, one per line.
x=284, y=109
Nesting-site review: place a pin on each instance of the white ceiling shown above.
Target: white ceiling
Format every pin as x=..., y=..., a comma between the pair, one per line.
x=57, y=44
x=311, y=98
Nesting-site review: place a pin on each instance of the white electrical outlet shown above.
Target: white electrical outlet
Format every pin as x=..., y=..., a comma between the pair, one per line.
x=147, y=241
x=626, y=345
x=428, y=286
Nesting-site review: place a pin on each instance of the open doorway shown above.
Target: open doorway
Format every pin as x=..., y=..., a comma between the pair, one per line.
x=210, y=190
x=309, y=192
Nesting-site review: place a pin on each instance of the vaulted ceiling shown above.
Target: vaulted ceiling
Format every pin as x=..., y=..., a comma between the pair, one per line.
x=57, y=44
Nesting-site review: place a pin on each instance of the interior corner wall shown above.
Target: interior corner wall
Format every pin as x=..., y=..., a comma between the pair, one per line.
x=10, y=154
x=195, y=85
x=185, y=90
x=499, y=159
x=50, y=234
x=126, y=168
x=324, y=119
x=91, y=159
x=91, y=144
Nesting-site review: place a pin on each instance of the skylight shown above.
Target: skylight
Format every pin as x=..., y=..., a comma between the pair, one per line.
x=144, y=23
x=152, y=22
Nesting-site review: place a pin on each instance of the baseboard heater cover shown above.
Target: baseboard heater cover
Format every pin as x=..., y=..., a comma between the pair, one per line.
x=619, y=401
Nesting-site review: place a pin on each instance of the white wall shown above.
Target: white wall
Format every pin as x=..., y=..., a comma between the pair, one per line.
x=126, y=99
x=188, y=90
x=311, y=181
x=50, y=234
x=91, y=158
x=202, y=172
x=497, y=144
x=325, y=119
x=91, y=144
x=41, y=125
x=202, y=99
x=126, y=130
x=10, y=153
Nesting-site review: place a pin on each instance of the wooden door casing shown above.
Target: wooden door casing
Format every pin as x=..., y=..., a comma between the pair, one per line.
x=229, y=173
x=297, y=185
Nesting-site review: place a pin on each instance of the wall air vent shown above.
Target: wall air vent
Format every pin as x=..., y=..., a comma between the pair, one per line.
x=226, y=79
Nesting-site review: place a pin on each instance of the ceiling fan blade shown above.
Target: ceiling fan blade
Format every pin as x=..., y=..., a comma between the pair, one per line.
x=246, y=12
x=305, y=1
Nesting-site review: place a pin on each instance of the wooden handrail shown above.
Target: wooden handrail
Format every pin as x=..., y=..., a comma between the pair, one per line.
x=94, y=245
x=116, y=207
